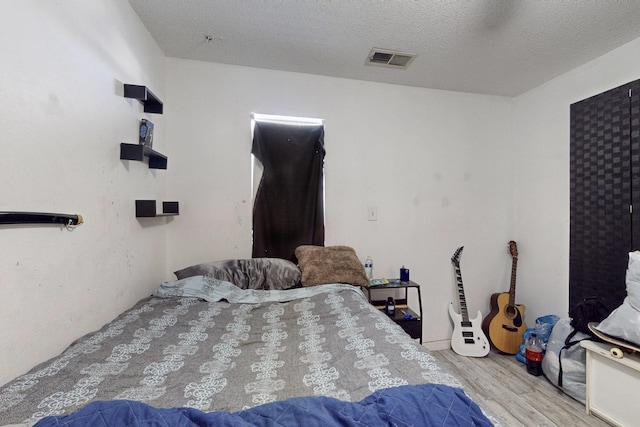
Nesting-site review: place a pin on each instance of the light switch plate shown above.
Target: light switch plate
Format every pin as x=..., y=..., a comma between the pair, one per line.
x=372, y=213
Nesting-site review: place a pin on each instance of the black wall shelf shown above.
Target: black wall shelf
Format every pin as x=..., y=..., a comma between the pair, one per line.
x=150, y=102
x=139, y=152
x=147, y=209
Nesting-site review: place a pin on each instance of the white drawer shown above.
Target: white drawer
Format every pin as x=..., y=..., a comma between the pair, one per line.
x=612, y=385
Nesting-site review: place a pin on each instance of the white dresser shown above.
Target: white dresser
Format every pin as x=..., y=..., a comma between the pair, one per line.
x=613, y=385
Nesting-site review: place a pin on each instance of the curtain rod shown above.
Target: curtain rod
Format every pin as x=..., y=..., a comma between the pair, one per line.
x=39, y=218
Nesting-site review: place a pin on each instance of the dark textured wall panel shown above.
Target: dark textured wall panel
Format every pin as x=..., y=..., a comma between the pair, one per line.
x=603, y=156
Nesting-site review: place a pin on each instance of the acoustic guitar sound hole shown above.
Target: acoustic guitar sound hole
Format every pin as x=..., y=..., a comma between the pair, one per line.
x=510, y=312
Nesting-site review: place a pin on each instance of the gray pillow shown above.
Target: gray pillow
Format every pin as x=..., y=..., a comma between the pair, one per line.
x=253, y=273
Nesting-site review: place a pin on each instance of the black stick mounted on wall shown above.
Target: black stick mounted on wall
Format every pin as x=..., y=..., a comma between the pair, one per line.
x=39, y=218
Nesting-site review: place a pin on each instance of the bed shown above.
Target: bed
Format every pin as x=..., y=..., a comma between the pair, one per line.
x=209, y=346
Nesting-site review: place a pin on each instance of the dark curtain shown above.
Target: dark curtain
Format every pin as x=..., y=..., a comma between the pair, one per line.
x=288, y=209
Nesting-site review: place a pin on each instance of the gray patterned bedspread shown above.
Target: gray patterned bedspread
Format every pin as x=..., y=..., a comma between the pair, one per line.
x=241, y=349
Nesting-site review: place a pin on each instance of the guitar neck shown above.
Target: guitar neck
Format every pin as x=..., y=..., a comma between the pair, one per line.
x=463, y=302
x=512, y=287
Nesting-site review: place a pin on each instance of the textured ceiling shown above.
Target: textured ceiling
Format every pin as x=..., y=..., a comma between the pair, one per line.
x=498, y=47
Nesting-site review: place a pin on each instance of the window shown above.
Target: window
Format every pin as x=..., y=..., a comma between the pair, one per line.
x=288, y=208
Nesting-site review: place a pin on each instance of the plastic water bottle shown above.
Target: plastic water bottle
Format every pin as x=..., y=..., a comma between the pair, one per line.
x=534, y=355
x=368, y=267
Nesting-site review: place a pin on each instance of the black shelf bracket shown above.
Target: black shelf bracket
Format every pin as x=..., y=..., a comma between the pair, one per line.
x=139, y=152
x=150, y=102
x=147, y=209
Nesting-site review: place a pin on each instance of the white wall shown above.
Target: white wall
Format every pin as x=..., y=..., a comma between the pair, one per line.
x=436, y=164
x=62, y=118
x=541, y=203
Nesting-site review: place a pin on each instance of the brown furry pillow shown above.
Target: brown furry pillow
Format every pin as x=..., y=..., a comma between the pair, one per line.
x=330, y=264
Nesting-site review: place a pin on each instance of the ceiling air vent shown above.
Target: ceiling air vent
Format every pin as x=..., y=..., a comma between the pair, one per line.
x=390, y=58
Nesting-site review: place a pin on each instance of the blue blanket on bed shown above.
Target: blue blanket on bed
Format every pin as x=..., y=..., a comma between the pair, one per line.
x=421, y=405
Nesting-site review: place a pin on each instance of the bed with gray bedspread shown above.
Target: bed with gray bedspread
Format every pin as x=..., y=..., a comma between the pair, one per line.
x=204, y=343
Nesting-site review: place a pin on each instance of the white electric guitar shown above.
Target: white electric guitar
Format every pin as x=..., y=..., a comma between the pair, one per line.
x=468, y=338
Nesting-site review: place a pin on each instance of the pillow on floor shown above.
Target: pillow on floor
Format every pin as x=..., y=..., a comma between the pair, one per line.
x=330, y=264
x=253, y=273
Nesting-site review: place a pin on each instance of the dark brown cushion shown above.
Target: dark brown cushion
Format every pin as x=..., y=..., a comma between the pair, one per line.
x=331, y=264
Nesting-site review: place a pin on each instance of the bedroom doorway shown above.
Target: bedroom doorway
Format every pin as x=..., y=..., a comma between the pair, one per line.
x=288, y=184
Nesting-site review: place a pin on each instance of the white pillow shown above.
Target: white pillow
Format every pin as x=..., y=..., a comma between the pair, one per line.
x=624, y=321
x=633, y=280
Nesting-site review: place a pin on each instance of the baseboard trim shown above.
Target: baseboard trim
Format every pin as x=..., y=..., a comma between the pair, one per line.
x=437, y=345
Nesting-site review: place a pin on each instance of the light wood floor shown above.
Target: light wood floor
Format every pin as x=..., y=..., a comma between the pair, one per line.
x=503, y=386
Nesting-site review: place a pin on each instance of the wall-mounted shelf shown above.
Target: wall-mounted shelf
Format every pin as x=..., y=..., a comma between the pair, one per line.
x=147, y=209
x=150, y=102
x=139, y=152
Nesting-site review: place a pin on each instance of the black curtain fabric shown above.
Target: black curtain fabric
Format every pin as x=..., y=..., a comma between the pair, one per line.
x=288, y=209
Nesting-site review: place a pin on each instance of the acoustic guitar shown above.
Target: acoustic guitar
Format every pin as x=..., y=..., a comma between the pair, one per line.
x=467, y=338
x=505, y=323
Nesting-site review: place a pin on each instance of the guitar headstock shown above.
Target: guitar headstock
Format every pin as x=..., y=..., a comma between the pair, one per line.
x=513, y=249
x=455, y=259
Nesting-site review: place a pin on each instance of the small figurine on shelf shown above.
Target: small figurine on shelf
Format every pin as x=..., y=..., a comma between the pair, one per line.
x=146, y=133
